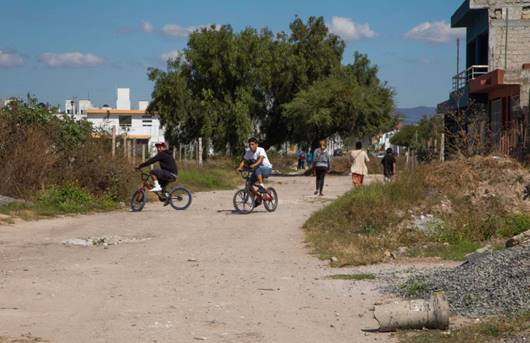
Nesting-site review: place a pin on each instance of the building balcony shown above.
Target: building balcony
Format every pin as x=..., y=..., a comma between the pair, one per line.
x=463, y=79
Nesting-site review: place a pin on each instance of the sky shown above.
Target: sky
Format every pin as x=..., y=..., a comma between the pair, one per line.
x=60, y=49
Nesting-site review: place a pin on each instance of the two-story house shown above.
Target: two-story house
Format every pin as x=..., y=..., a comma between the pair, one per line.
x=132, y=124
x=497, y=70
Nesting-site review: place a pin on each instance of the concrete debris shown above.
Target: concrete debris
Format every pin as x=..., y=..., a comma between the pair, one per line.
x=522, y=238
x=414, y=314
x=104, y=241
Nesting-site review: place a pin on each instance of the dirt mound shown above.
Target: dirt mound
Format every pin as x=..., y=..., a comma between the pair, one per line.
x=481, y=178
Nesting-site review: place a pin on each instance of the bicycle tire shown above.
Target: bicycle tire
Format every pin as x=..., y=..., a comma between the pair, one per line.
x=271, y=204
x=182, y=195
x=243, y=201
x=138, y=200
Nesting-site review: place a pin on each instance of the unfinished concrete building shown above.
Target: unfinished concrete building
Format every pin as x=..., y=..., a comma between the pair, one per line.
x=496, y=77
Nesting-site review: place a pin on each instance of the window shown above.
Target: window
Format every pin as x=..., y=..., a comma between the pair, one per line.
x=525, y=13
x=147, y=121
x=125, y=121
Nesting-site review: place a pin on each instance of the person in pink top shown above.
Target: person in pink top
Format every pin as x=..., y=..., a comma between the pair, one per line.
x=358, y=159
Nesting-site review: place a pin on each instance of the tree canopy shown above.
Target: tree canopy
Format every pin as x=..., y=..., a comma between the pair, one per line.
x=280, y=87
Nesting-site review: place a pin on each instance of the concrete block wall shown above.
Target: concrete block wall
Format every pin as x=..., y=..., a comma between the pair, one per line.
x=518, y=41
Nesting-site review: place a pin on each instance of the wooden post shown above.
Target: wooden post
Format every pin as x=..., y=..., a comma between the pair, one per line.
x=199, y=155
x=180, y=152
x=124, y=145
x=134, y=151
x=129, y=150
x=144, y=148
x=114, y=141
x=186, y=155
x=442, y=147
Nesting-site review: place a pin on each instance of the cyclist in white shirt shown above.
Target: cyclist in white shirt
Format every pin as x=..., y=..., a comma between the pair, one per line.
x=258, y=160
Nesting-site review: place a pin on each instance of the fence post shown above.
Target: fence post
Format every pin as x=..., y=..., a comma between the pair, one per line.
x=180, y=152
x=199, y=152
x=124, y=145
x=128, y=144
x=114, y=141
x=134, y=150
x=442, y=147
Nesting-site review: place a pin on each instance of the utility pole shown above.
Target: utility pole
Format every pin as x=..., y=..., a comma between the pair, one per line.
x=506, y=40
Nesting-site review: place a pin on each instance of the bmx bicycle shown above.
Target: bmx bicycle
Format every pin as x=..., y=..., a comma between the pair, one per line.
x=178, y=197
x=245, y=200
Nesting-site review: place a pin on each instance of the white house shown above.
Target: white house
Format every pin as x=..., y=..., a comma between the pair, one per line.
x=136, y=124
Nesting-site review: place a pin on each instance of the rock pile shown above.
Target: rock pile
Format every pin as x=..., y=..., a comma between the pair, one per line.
x=494, y=282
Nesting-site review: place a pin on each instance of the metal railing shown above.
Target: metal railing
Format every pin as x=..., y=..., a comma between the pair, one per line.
x=462, y=79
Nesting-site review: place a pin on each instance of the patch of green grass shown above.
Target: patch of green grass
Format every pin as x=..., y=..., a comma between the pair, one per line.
x=355, y=277
x=454, y=251
x=488, y=330
x=212, y=176
x=415, y=288
x=56, y=200
x=514, y=225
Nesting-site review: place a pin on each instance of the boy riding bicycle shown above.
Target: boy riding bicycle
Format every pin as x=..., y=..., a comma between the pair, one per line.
x=168, y=167
x=259, y=162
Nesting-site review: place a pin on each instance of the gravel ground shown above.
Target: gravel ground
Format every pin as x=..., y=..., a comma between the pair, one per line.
x=492, y=283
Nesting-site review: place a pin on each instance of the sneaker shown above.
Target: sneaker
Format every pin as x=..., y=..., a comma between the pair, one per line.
x=156, y=188
x=257, y=202
x=262, y=189
x=316, y=192
x=321, y=194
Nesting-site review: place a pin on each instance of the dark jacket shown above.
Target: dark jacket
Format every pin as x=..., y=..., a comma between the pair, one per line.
x=166, y=161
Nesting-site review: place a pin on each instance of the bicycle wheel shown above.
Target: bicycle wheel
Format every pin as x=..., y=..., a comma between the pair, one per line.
x=243, y=201
x=180, y=198
x=138, y=200
x=270, y=199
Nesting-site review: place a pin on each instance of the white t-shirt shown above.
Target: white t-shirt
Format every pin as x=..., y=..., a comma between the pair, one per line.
x=254, y=156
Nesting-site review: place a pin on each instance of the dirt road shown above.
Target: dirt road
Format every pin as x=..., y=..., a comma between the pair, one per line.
x=202, y=274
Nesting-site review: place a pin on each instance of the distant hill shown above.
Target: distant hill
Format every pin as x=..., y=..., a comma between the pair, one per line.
x=414, y=114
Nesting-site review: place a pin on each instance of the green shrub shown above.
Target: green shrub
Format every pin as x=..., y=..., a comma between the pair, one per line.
x=71, y=198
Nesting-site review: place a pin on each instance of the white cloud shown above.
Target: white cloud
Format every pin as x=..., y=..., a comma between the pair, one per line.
x=170, y=55
x=349, y=30
x=10, y=59
x=174, y=30
x=71, y=59
x=435, y=32
x=147, y=26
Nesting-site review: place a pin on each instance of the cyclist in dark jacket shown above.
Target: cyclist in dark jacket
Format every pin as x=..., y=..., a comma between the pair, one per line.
x=168, y=167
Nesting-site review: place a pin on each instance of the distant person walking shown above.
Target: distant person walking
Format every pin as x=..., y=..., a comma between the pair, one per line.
x=301, y=159
x=389, y=165
x=358, y=158
x=321, y=166
x=309, y=158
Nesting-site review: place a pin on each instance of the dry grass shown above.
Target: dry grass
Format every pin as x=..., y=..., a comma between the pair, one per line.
x=475, y=202
x=488, y=330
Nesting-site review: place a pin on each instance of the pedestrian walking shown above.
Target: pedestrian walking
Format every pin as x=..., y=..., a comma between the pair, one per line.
x=389, y=165
x=358, y=159
x=309, y=158
x=300, y=156
x=321, y=166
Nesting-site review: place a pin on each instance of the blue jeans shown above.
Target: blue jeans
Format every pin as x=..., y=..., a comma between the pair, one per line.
x=261, y=170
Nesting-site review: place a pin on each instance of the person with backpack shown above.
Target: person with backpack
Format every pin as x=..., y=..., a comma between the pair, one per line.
x=321, y=166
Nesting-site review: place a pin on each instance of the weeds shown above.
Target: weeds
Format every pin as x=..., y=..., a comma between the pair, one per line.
x=415, y=288
x=56, y=200
x=489, y=330
x=364, y=224
x=355, y=277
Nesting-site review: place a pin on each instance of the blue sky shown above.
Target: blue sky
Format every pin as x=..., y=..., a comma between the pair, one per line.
x=58, y=49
